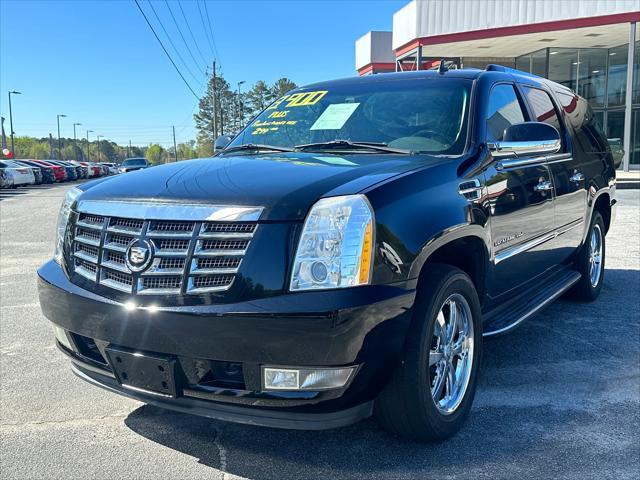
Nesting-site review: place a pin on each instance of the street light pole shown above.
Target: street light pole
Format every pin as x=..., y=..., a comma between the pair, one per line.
x=99, y=149
x=11, y=121
x=75, y=142
x=239, y=104
x=59, y=149
x=88, y=156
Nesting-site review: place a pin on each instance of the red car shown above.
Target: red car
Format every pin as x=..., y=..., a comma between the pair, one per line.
x=59, y=172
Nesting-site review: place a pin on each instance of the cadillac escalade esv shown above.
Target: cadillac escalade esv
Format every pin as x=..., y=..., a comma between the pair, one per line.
x=344, y=255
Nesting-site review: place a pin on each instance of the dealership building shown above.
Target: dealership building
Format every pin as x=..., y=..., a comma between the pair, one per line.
x=590, y=46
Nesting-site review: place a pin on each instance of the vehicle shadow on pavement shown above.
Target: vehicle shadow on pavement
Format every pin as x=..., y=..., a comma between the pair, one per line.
x=558, y=394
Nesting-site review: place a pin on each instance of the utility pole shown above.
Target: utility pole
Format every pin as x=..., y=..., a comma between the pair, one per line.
x=175, y=148
x=129, y=150
x=51, y=153
x=215, y=112
x=59, y=149
x=88, y=156
x=75, y=142
x=11, y=121
x=238, y=107
x=99, y=149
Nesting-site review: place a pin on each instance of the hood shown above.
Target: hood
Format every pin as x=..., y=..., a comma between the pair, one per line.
x=285, y=184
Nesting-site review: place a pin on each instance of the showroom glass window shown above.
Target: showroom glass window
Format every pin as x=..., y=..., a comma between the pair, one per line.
x=504, y=111
x=563, y=66
x=592, y=75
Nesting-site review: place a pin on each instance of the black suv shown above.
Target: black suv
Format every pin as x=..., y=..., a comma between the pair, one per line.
x=343, y=256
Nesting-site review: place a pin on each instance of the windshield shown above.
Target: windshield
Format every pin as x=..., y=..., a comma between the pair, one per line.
x=134, y=161
x=419, y=115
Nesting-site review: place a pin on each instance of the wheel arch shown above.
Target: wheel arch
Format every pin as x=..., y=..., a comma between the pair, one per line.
x=602, y=204
x=466, y=248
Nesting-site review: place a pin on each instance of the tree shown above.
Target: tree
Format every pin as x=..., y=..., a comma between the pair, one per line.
x=68, y=153
x=258, y=98
x=281, y=87
x=225, y=108
x=39, y=151
x=186, y=150
x=155, y=154
x=204, y=147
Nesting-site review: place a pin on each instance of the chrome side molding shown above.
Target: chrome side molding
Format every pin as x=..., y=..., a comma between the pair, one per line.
x=523, y=247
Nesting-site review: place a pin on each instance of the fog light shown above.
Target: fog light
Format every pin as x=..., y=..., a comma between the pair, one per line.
x=62, y=337
x=306, y=378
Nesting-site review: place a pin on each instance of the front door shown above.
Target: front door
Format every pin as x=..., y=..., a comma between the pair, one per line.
x=520, y=203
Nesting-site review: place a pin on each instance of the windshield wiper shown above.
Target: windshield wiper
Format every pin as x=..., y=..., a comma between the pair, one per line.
x=349, y=145
x=257, y=147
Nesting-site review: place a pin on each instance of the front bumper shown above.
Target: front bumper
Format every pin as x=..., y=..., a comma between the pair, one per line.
x=364, y=326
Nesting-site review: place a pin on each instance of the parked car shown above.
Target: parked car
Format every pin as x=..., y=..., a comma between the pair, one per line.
x=5, y=179
x=48, y=175
x=94, y=170
x=80, y=170
x=37, y=173
x=112, y=168
x=70, y=169
x=132, y=164
x=344, y=264
x=18, y=175
x=59, y=171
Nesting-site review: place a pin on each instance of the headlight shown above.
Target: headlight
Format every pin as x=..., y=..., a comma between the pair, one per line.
x=336, y=245
x=63, y=219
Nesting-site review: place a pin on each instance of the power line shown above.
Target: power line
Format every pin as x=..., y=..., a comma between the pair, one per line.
x=213, y=38
x=191, y=32
x=171, y=43
x=164, y=49
x=183, y=39
x=204, y=27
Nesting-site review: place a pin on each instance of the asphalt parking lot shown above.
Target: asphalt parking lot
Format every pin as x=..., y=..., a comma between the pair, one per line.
x=558, y=398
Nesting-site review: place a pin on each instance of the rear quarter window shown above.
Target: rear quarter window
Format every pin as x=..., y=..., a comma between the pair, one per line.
x=588, y=131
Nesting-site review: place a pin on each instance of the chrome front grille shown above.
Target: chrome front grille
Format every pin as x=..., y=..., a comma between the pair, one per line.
x=189, y=257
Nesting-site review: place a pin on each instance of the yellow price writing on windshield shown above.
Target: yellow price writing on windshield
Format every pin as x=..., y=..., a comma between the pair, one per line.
x=301, y=99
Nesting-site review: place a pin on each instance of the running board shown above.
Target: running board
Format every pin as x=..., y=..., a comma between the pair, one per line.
x=510, y=316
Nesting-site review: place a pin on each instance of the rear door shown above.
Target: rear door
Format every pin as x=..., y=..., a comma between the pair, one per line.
x=520, y=198
x=568, y=173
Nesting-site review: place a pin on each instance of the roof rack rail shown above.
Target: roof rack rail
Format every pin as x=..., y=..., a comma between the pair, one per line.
x=492, y=67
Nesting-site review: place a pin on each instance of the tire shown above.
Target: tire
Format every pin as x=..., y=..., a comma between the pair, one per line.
x=406, y=406
x=588, y=287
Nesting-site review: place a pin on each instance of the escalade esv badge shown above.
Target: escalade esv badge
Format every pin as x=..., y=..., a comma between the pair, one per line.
x=139, y=254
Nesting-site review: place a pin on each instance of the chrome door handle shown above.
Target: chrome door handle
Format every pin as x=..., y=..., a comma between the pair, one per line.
x=577, y=177
x=543, y=186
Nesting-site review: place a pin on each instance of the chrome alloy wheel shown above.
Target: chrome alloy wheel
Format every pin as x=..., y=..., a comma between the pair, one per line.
x=451, y=354
x=595, y=255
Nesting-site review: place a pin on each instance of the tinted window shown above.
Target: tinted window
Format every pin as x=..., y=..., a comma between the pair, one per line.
x=587, y=128
x=504, y=111
x=134, y=162
x=412, y=114
x=542, y=107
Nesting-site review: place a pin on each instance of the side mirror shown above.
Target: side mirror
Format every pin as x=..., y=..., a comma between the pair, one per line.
x=528, y=138
x=221, y=142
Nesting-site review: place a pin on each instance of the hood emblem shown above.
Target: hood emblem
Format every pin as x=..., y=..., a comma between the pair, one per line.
x=139, y=255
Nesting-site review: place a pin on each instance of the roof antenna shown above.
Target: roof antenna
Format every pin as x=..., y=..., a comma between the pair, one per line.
x=442, y=67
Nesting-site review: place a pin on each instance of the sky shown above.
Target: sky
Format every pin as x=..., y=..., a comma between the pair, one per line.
x=98, y=62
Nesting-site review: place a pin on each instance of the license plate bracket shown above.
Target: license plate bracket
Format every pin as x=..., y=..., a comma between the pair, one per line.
x=147, y=373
